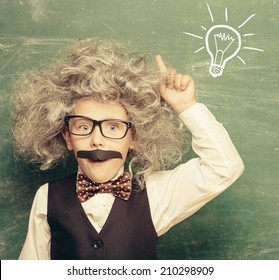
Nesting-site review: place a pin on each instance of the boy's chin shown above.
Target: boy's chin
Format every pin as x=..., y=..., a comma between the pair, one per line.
x=101, y=171
x=99, y=175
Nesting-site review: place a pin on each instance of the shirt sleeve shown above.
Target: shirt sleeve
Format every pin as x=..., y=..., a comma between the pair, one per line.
x=176, y=194
x=37, y=242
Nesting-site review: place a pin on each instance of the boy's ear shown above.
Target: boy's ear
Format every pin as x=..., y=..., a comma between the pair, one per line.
x=67, y=137
x=133, y=144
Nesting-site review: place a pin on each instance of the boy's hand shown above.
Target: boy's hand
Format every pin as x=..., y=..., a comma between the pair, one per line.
x=176, y=89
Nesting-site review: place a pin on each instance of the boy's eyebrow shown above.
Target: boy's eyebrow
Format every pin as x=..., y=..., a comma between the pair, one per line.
x=107, y=119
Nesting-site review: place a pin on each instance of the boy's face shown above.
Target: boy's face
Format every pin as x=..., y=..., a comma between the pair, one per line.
x=99, y=171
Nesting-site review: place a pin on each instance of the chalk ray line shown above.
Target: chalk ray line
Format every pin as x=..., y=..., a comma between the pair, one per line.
x=241, y=60
x=226, y=14
x=253, y=49
x=246, y=21
x=210, y=13
x=191, y=34
x=199, y=50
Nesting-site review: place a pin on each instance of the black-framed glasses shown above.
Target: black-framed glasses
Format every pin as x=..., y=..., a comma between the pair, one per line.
x=110, y=128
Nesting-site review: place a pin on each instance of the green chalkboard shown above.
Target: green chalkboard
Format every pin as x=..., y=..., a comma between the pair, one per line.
x=243, y=222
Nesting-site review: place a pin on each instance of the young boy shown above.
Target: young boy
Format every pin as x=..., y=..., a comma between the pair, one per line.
x=122, y=120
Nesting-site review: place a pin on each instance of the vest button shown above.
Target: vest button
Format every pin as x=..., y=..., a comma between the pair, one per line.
x=97, y=244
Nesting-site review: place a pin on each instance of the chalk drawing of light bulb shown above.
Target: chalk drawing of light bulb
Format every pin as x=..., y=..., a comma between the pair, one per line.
x=222, y=43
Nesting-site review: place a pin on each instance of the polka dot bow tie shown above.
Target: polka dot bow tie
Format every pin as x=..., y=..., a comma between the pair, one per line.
x=121, y=187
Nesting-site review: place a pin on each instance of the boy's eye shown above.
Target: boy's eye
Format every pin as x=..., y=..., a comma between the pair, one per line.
x=113, y=127
x=79, y=126
x=85, y=127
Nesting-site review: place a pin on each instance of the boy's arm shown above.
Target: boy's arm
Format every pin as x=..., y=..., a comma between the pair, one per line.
x=37, y=243
x=176, y=194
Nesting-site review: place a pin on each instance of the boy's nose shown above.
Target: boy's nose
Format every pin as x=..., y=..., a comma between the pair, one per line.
x=97, y=139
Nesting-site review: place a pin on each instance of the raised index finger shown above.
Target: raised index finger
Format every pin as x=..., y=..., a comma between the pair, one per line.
x=161, y=65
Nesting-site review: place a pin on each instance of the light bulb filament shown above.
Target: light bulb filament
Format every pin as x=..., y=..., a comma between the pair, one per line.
x=220, y=49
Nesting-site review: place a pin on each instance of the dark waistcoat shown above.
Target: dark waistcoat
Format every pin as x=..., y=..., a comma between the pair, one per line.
x=127, y=234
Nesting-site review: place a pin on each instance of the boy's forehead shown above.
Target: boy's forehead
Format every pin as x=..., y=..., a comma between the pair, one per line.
x=99, y=110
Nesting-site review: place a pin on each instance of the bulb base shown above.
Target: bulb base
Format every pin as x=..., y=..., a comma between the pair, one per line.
x=216, y=70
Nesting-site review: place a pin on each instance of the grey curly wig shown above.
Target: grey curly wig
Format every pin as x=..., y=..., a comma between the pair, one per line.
x=105, y=71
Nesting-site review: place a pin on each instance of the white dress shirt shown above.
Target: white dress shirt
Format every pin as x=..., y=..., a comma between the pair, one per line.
x=173, y=195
